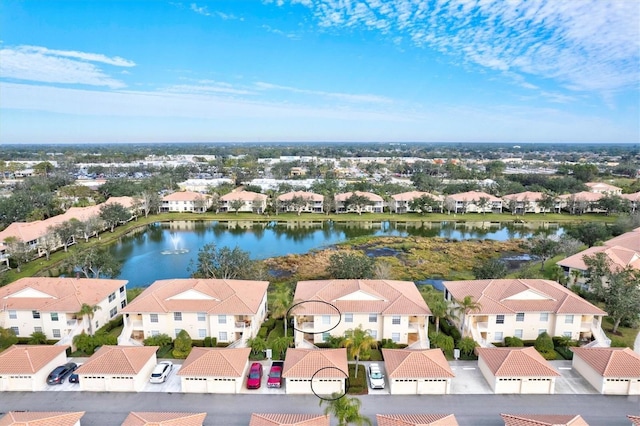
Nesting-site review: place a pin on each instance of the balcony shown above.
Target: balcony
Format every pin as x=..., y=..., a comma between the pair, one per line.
x=482, y=326
x=307, y=326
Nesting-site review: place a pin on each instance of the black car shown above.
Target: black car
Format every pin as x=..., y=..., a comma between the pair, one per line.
x=57, y=376
x=73, y=378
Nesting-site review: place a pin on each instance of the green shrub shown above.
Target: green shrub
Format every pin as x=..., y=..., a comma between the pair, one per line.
x=198, y=343
x=323, y=345
x=513, y=342
x=357, y=386
x=222, y=344
x=113, y=324
x=88, y=344
x=7, y=338
x=263, y=332
x=182, y=345
x=549, y=356
x=159, y=340
x=451, y=330
x=38, y=338
x=564, y=352
x=544, y=343
x=207, y=342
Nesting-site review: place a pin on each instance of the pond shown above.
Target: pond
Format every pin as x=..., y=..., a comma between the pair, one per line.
x=164, y=250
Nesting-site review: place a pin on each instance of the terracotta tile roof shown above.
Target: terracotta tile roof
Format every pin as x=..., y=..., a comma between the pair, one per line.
x=278, y=419
x=631, y=197
x=516, y=362
x=601, y=186
x=244, y=196
x=386, y=297
x=184, y=196
x=304, y=194
x=619, y=256
x=543, y=420
x=127, y=202
x=635, y=420
x=215, y=362
x=41, y=418
x=56, y=294
x=371, y=196
x=528, y=195
x=506, y=296
x=25, y=231
x=408, y=196
x=472, y=196
x=28, y=359
x=403, y=363
x=304, y=363
x=583, y=195
x=416, y=420
x=118, y=360
x=145, y=418
x=630, y=240
x=232, y=297
x=611, y=362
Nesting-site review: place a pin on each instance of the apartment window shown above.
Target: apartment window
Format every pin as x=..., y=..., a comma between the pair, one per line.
x=395, y=337
x=520, y=316
x=123, y=304
x=153, y=317
x=54, y=316
x=568, y=319
x=112, y=297
x=373, y=333
x=373, y=317
x=542, y=330
x=155, y=333
x=326, y=319
x=222, y=319
x=177, y=331
x=36, y=314
x=15, y=330
x=122, y=289
x=326, y=336
x=37, y=329
x=222, y=336
x=499, y=319
x=56, y=333
x=544, y=316
x=177, y=316
x=113, y=312
x=202, y=316
x=97, y=325
x=202, y=333
x=348, y=317
x=395, y=320
x=518, y=333
x=498, y=336
x=567, y=334
x=13, y=315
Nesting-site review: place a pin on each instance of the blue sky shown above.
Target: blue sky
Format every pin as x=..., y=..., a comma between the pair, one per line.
x=319, y=70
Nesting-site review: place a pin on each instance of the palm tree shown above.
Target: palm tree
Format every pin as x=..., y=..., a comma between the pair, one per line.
x=257, y=344
x=87, y=311
x=439, y=309
x=346, y=409
x=466, y=306
x=280, y=345
x=357, y=341
x=281, y=300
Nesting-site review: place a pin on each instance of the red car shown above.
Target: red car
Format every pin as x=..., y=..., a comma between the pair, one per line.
x=275, y=375
x=255, y=376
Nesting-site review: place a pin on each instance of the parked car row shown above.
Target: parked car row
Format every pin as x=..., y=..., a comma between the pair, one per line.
x=60, y=373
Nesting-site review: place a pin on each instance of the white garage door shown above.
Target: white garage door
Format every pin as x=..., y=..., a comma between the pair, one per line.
x=194, y=384
x=93, y=383
x=536, y=385
x=20, y=383
x=327, y=386
x=616, y=386
x=221, y=385
x=432, y=387
x=295, y=386
x=3, y=383
x=508, y=385
x=404, y=386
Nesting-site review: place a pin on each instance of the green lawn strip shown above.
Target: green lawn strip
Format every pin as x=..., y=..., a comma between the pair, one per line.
x=625, y=337
x=357, y=385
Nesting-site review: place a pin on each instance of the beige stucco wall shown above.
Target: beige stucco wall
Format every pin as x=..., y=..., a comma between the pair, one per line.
x=321, y=387
x=487, y=374
x=610, y=385
x=532, y=324
x=31, y=382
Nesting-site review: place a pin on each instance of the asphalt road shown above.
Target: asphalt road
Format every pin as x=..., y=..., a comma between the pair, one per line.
x=109, y=409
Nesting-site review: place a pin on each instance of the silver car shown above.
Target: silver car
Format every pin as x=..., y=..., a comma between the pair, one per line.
x=376, y=378
x=161, y=372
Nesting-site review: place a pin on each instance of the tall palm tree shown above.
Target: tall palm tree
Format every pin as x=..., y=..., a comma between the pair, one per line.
x=346, y=409
x=357, y=341
x=439, y=309
x=88, y=311
x=281, y=300
x=467, y=305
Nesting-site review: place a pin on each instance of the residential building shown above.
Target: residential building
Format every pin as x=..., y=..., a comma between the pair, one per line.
x=51, y=305
x=186, y=201
x=25, y=367
x=252, y=202
x=611, y=371
x=603, y=188
x=228, y=310
x=146, y=418
x=473, y=202
x=527, y=202
x=415, y=372
x=387, y=309
x=581, y=202
x=402, y=202
x=633, y=199
x=42, y=418
x=279, y=419
x=375, y=203
x=321, y=372
x=516, y=370
x=214, y=370
x=543, y=420
x=416, y=420
x=635, y=420
x=117, y=369
x=311, y=202
x=525, y=308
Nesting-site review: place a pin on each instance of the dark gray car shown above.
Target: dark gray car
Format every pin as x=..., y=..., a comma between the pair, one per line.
x=57, y=376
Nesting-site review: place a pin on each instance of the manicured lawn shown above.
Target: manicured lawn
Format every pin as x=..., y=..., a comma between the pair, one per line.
x=625, y=338
x=357, y=385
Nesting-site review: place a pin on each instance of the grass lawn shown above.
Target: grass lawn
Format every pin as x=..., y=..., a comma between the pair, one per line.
x=625, y=338
x=357, y=385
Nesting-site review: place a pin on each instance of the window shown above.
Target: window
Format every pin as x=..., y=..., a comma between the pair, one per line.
x=202, y=333
x=567, y=334
x=326, y=319
x=15, y=330
x=54, y=316
x=123, y=304
x=518, y=333
x=155, y=332
x=56, y=333
x=37, y=329
x=97, y=325
x=326, y=336
x=122, y=289
x=395, y=320
x=202, y=316
x=153, y=317
x=498, y=336
x=222, y=336
x=373, y=317
x=348, y=317
x=113, y=312
x=222, y=319
x=544, y=316
x=542, y=330
x=177, y=331
x=13, y=315
x=177, y=316
x=373, y=333
x=112, y=297
x=499, y=319
x=395, y=337
x=36, y=314
x=520, y=316
x=568, y=319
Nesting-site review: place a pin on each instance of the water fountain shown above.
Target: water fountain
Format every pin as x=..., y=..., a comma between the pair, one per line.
x=175, y=240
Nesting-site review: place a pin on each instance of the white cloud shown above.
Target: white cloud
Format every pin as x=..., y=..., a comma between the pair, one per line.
x=201, y=10
x=587, y=45
x=58, y=66
x=347, y=97
x=270, y=29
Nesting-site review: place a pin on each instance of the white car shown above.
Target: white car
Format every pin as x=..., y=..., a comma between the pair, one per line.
x=376, y=379
x=161, y=372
